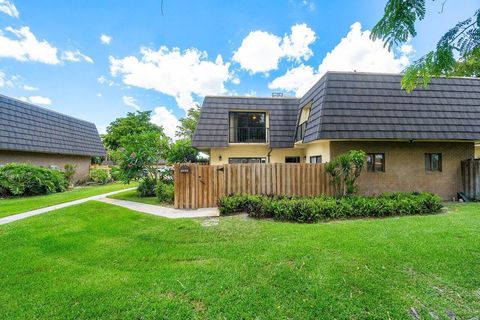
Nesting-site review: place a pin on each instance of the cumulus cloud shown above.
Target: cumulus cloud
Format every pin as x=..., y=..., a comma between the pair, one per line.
x=180, y=74
x=355, y=52
x=75, y=56
x=105, y=39
x=40, y=100
x=165, y=118
x=2, y=78
x=131, y=102
x=24, y=46
x=9, y=8
x=261, y=51
x=29, y=88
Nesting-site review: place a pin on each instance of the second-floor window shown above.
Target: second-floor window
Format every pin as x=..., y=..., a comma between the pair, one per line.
x=248, y=127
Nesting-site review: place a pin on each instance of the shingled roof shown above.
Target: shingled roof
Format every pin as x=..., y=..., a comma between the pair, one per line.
x=212, y=129
x=29, y=128
x=355, y=105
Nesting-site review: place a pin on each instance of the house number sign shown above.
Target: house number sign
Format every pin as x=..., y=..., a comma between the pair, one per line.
x=184, y=169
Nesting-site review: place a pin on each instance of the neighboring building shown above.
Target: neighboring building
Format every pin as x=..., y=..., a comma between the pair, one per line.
x=414, y=141
x=31, y=134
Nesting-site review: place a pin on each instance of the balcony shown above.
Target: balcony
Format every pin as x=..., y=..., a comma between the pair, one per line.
x=300, y=134
x=248, y=135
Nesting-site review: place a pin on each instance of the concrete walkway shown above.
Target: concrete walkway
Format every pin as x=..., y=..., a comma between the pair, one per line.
x=36, y=212
x=163, y=211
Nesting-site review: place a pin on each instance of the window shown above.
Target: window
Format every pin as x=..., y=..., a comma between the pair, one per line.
x=300, y=134
x=316, y=159
x=433, y=162
x=292, y=159
x=248, y=127
x=376, y=162
x=245, y=160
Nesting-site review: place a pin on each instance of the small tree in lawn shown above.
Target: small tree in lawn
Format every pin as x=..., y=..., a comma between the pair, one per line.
x=344, y=170
x=138, y=157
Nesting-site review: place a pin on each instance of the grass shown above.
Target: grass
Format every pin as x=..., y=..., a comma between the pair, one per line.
x=16, y=205
x=100, y=261
x=131, y=195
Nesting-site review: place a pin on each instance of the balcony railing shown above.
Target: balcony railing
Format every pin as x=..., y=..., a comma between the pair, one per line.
x=248, y=135
x=300, y=134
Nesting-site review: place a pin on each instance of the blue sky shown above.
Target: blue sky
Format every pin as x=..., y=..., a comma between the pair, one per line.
x=52, y=54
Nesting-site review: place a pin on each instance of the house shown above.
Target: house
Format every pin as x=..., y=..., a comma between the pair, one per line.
x=31, y=134
x=414, y=141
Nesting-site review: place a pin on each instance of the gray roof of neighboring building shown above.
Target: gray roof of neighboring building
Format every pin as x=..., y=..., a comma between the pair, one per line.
x=353, y=105
x=212, y=129
x=356, y=105
x=29, y=128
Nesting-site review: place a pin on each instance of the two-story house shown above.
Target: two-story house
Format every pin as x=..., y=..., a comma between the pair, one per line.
x=413, y=141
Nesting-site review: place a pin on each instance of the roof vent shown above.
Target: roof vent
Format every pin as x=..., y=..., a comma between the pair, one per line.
x=277, y=94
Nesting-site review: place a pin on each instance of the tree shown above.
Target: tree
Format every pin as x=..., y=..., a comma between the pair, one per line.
x=463, y=40
x=344, y=170
x=134, y=123
x=187, y=126
x=139, y=155
x=182, y=151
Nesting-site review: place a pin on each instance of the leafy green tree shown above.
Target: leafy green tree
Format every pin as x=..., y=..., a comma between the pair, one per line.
x=134, y=123
x=187, y=126
x=139, y=155
x=463, y=40
x=182, y=151
x=344, y=170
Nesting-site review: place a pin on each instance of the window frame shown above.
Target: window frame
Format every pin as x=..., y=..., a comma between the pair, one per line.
x=293, y=157
x=262, y=160
x=428, y=160
x=316, y=159
x=373, y=167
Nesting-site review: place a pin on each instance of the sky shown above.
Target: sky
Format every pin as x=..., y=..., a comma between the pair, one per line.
x=98, y=60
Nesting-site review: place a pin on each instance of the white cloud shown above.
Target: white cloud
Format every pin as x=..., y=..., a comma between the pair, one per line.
x=75, y=56
x=99, y=95
x=261, y=51
x=37, y=100
x=6, y=81
x=180, y=74
x=2, y=78
x=103, y=80
x=165, y=118
x=298, y=80
x=25, y=47
x=355, y=52
x=9, y=8
x=29, y=88
x=105, y=39
x=131, y=102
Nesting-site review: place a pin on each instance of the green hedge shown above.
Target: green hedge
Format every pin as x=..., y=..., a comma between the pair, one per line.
x=23, y=179
x=165, y=192
x=313, y=209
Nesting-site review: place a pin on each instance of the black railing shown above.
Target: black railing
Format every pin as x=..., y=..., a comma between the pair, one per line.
x=300, y=134
x=248, y=135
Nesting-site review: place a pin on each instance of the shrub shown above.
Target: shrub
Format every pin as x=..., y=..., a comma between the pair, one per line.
x=26, y=179
x=344, y=170
x=69, y=172
x=99, y=176
x=312, y=209
x=165, y=192
x=146, y=188
x=116, y=173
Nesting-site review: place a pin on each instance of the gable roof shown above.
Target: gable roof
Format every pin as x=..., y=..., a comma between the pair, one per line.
x=29, y=128
x=212, y=129
x=353, y=105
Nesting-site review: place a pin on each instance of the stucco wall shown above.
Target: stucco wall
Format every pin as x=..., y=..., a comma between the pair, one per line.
x=318, y=148
x=45, y=160
x=405, y=166
x=253, y=151
x=477, y=152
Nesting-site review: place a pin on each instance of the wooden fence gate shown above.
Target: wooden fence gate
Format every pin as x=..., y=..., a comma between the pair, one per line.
x=471, y=178
x=200, y=186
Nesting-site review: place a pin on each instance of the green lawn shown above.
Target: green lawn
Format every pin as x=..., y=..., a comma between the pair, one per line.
x=17, y=205
x=95, y=260
x=131, y=195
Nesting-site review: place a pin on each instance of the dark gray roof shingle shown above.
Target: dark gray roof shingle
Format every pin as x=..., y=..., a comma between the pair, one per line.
x=212, y=129
x=26, y=127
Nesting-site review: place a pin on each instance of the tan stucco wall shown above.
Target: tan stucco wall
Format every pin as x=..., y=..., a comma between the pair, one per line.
x=477, y=152
x=277, y=155
x=318, y=148
x=45, y=160
x=405, y=166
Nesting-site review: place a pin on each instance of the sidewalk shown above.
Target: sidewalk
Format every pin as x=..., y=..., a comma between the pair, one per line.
x=163, y=211
x=36, y=212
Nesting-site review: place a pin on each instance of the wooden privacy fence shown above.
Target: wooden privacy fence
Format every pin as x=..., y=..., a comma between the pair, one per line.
x=200, y=186
x=471, y=178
